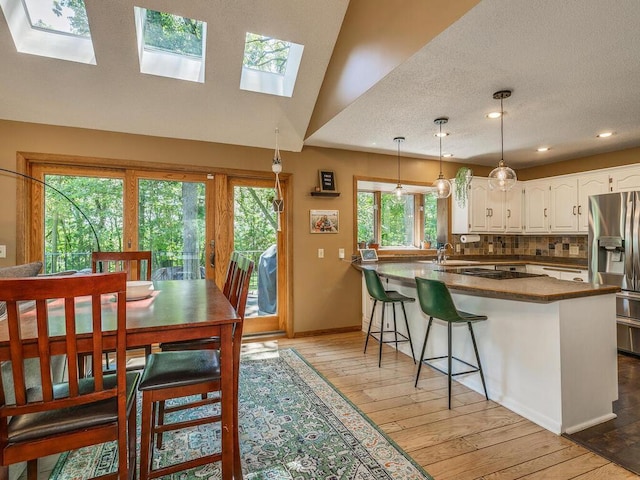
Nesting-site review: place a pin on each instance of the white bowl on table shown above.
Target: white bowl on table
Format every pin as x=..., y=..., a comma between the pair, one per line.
x=139, y=289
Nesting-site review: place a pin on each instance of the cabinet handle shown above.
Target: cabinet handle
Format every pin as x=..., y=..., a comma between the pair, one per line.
x=545, y=213
x=574, y=210
x=579, y=207
x=491, y=212
x=508, y=213
x=486, y=212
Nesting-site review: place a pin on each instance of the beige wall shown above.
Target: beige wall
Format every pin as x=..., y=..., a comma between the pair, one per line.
x=326, y=292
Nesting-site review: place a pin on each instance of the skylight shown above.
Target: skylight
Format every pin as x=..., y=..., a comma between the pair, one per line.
x=170, y=45
x=50, y=28
x=270, y=65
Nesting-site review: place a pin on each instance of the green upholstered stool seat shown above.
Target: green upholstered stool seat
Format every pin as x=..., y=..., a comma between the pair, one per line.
x=379, y=294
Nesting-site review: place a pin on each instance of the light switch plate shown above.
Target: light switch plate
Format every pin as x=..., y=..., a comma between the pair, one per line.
x=341, y=253
x=574, y=249
x=321, y=253
x=3, y=251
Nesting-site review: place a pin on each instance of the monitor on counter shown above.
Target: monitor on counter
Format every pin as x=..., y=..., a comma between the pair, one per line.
x=369, y=255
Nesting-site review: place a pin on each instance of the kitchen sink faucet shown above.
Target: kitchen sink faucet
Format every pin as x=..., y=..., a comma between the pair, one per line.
x=442, y=252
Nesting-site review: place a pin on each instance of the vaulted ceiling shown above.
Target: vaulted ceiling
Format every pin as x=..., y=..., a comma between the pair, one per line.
x=371, y=70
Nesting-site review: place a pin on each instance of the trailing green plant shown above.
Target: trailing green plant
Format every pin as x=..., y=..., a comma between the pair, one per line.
x=462, y=181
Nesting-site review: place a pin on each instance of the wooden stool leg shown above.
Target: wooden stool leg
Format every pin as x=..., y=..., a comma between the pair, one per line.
x=146, y=439
x=424, y=348
x=32, y=470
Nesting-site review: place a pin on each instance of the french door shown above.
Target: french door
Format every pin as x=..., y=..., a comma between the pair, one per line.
x=191, y=222
x=259, y=235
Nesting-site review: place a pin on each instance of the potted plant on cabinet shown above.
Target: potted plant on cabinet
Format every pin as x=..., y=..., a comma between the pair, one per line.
x=462, y=181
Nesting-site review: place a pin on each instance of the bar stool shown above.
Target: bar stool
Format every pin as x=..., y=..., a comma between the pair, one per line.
x=435, y=301
x=378, y=293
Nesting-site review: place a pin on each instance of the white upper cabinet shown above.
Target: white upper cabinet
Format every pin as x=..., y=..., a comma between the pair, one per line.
x=536, y=206
x=589, y=184
x=625, y=179
x=569, y=204
x=484, y=211
x=513, y=220
x=479, y=205
x=563, y=204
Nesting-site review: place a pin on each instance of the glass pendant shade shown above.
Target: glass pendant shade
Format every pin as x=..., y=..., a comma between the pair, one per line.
x=442, y=186
x=399, y=191
x=502, y=177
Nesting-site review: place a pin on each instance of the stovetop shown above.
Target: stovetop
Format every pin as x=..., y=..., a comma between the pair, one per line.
x=496, y=274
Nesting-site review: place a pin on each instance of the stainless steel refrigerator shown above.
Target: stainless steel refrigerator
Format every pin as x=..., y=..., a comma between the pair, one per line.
x=614, y=258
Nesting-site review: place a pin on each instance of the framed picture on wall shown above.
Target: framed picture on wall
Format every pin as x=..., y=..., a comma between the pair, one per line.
x=327, y=181
x=324, y=221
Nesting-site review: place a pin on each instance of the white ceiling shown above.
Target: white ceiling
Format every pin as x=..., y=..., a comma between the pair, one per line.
x=573, y=67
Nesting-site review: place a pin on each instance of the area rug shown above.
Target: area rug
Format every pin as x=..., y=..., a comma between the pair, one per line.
x=293, y=425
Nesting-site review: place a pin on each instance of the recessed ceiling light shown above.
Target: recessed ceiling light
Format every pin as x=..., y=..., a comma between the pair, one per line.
x=440, y=134
x=604, y=134
x=543, y=149
x=493, y=115
x=447, y=155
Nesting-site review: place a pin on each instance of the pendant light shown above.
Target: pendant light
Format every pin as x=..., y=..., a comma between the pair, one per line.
x=502, y=177
x=399, y=190
x=442, y=185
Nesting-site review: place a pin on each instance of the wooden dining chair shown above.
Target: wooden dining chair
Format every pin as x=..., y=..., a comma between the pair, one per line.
x=136, y=264
x=179, y=373
x=39, y=416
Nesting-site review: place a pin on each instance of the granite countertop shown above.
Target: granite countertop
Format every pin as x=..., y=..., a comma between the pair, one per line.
x=541, y=289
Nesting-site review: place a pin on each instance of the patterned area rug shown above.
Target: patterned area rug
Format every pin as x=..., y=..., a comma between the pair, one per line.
x=293, y=425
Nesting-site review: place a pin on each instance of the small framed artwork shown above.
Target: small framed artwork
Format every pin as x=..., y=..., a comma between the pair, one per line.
x=327, y=181
x=368, y=254
x=324, y=221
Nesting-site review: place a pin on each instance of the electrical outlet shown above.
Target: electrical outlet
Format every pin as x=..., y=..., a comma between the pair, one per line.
x=321, y=253
x=574, y=249
x=457, y=248
x=491, y=248
x=3, y=251
x=341, y=253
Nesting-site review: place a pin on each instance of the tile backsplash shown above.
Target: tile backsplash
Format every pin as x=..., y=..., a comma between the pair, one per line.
x=544, y=245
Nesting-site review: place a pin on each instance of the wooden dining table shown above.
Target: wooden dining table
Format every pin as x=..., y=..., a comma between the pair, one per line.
x=175, y=310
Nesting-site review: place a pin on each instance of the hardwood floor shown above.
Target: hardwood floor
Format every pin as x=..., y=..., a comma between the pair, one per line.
x=476, y=439
x=619, y=439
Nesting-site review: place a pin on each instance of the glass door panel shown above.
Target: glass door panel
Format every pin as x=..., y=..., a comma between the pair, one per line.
x=171, y=223
x=81, y=214
x=255, y=236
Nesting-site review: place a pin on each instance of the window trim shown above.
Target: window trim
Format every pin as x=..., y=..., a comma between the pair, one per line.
x=418, y=219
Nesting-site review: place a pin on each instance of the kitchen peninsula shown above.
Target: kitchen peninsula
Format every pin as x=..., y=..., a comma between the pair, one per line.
x=548, y=349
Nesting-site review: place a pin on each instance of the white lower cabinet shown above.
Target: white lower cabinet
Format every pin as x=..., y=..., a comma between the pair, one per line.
x=561, y=273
